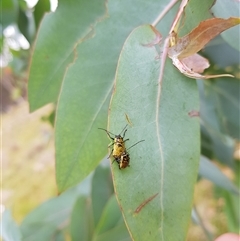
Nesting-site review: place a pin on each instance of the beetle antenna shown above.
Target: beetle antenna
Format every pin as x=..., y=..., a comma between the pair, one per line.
x=106, y=131
x=123, y=130
x=135, y=144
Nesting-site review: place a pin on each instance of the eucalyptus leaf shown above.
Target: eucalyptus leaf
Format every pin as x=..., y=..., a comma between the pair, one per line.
x=9, y=229
x=226, y=9
x=231, y=209
x=220, y=116
x=218, y=48
x=102, y=190
x=110, y=216
x=9, y=10
x=57, y=37
x=118, y=233
x=155, y=193
x=81, y=220
x=40, y=9
x=51, y=218
x=198, y=220
x=208, y=170
x=87, y=87
x=192, y=16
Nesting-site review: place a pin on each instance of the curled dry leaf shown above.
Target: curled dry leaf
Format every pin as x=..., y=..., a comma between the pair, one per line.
x=183, y=53
x=196, y=63
x=200, y=36
x=189, y=72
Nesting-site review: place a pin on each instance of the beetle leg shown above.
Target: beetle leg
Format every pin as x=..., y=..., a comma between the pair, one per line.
x=111, y=144
x=110, y=154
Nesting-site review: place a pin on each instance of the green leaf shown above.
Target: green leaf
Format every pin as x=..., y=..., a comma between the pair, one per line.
x=9, y=12
x=9, y=230
x=231, y=203
x=219, y=114
x=57, y=38
x=223, y=148
x=206, y=143
x=110, y=216
x=194, y=12
x=155, y=193
x=40, y=9
x=216, y=145
x=231, y=209
x=196, y=218
x=227, y=99
x=26, y=24
x=81, y=220
x=215, y=52
x=102, y=190
x=117, y=233
x=50, y=118
x=111, y=225
x=86, y=89
x=226, y=9
x=109, y=222
x=211, y=172
x=49, y=218
x=59, y=236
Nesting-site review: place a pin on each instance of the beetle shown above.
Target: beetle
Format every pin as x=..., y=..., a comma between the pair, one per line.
x=118, y=143
x=124, y=160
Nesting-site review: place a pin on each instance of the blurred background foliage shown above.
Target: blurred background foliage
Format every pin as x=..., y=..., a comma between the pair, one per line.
x=31, y=205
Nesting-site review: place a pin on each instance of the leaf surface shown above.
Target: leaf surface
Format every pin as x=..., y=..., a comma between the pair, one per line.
x=210, y=171
x=118, y=233
x=110, y=216
x=40, y=9
x=81, y=220
x=102, y=190
x=194, y=12
x=220, y=116
x=226, y=9
x=9, y=10
x=9, y=229
x=155, y=192
x=111, y=225
x=50, y=218
x=57, y=37
x=87, y=87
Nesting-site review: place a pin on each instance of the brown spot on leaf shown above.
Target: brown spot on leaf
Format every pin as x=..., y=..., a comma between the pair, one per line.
x=139, y=208
x=128, y=120
x=193, y=113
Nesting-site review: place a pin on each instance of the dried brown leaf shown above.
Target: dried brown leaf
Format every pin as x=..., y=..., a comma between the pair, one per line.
x=196, y=63
x=200, y=36
x=191, y=73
